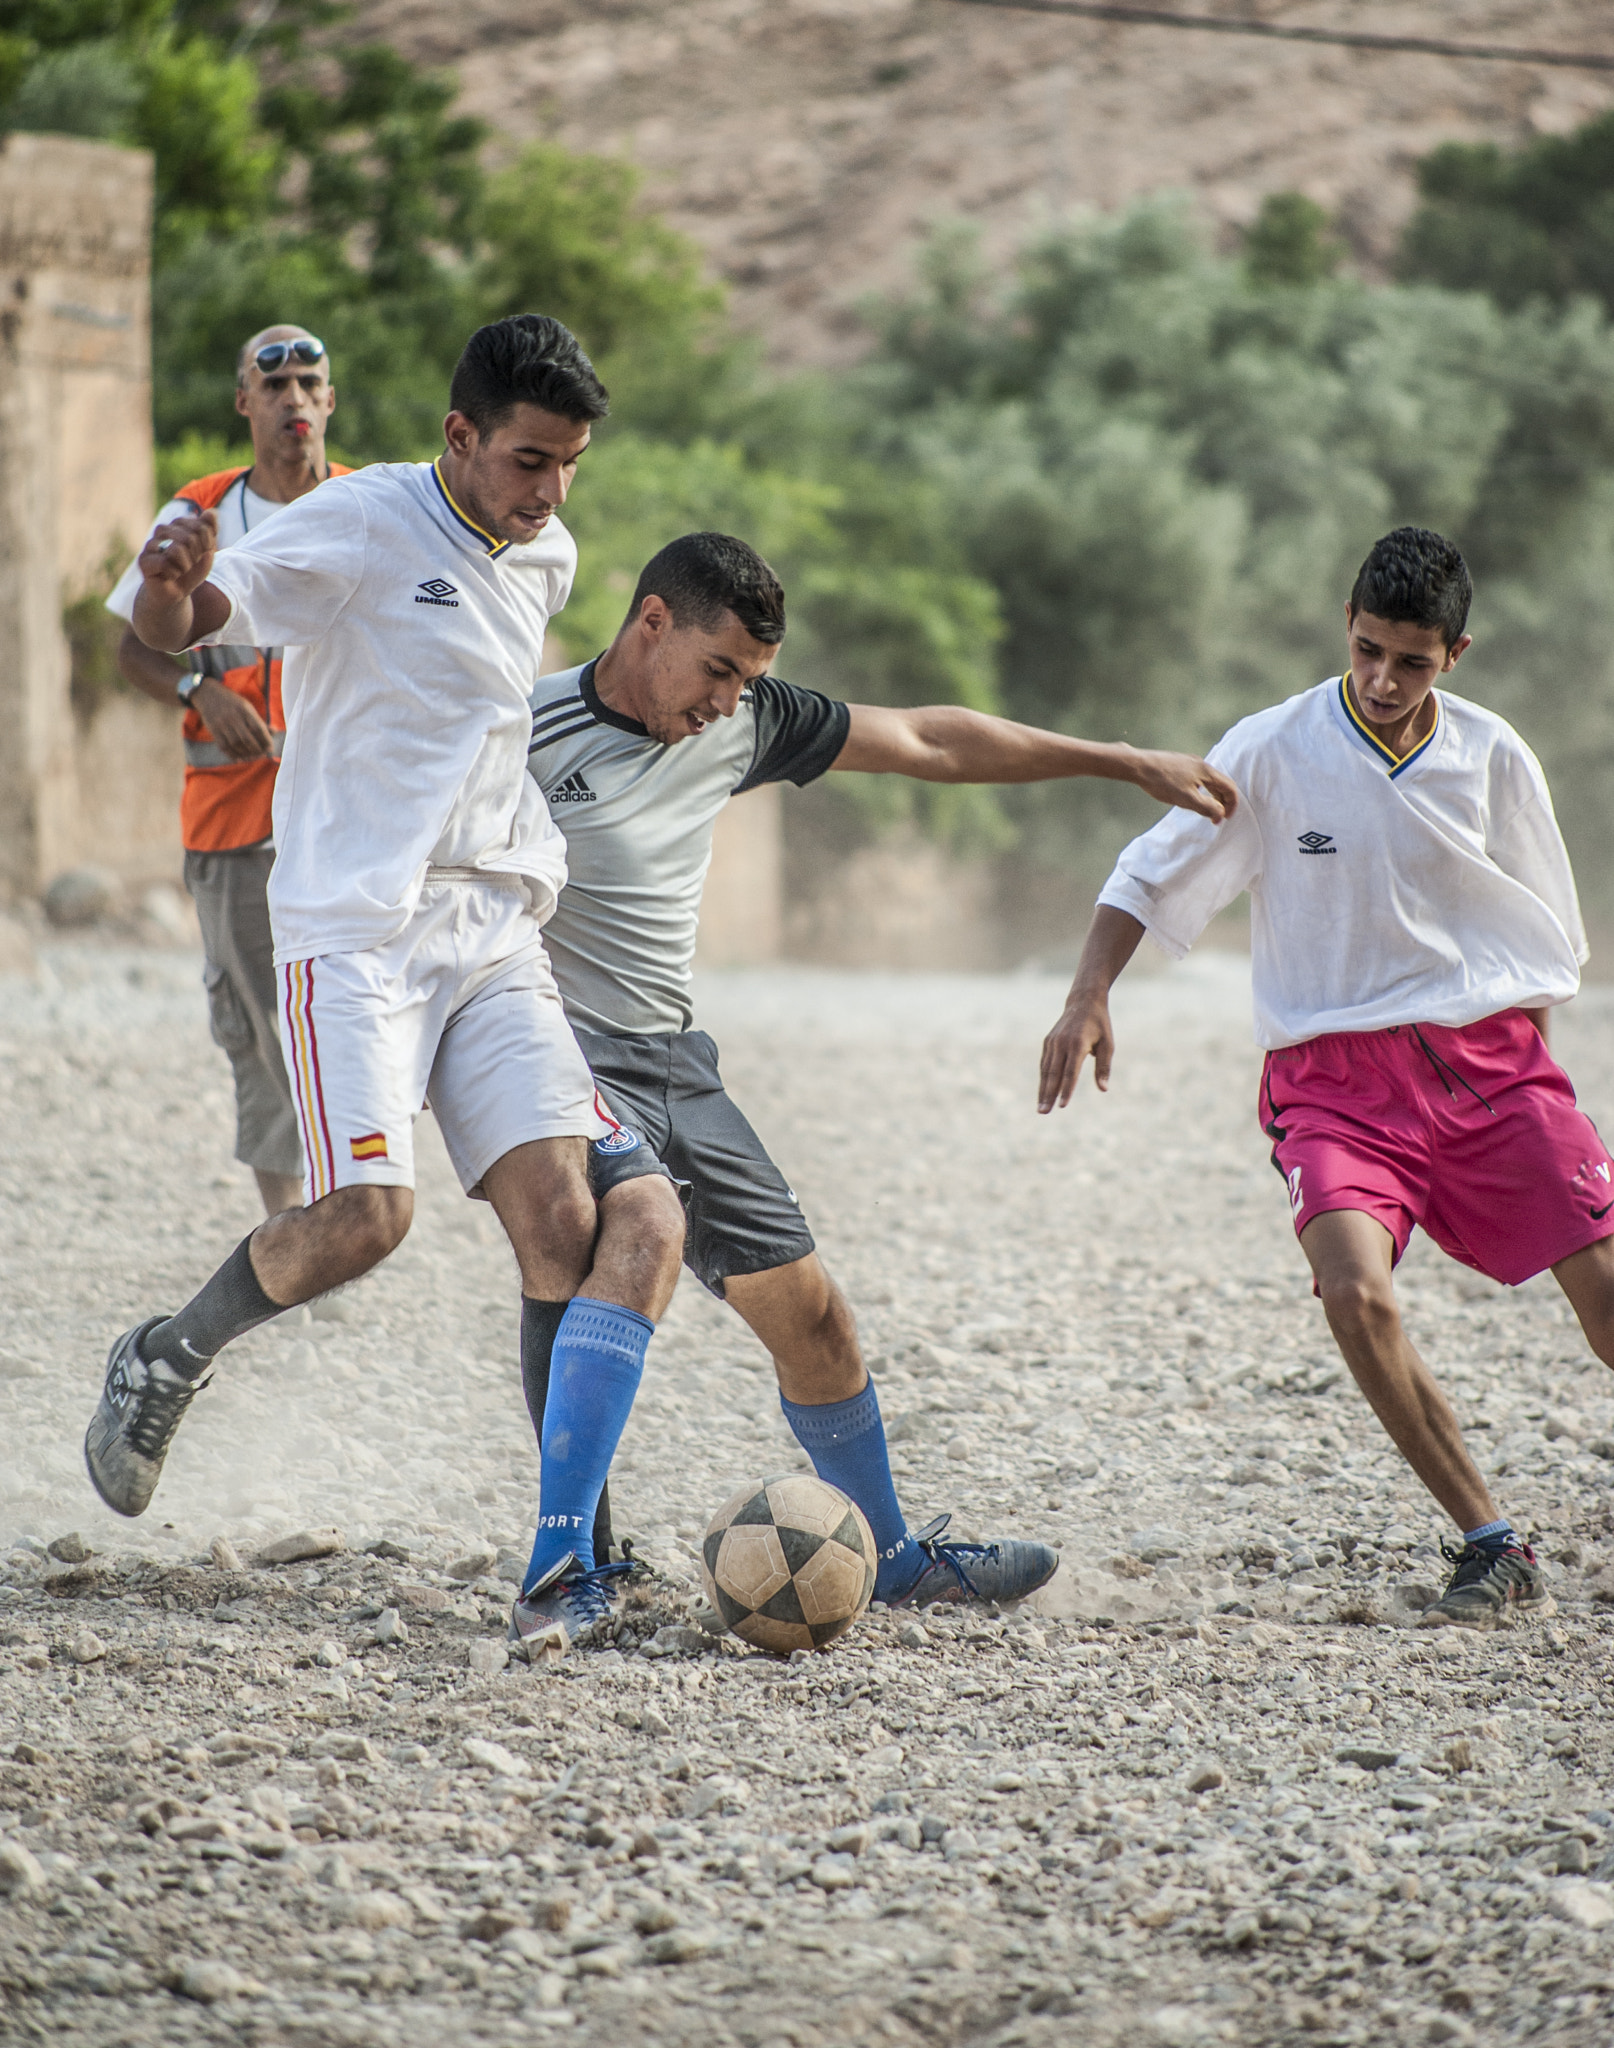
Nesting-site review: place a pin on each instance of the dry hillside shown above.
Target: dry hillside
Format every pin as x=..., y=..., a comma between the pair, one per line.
x=806, y=143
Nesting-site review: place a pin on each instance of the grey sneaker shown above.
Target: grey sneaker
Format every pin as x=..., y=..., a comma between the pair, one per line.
x=1485, y=1584
x=140, y=1407
x=580, y=1603
x=1005, y=1570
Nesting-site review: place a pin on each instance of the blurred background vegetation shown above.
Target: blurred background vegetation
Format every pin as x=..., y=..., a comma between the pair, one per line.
x=1121, y=492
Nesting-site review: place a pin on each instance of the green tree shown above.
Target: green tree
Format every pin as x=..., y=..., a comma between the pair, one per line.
x=1168, y=469
x=1536, y=222
x=1289, y=241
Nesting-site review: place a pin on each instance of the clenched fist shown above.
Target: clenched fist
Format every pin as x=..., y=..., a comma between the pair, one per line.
x=174, y=563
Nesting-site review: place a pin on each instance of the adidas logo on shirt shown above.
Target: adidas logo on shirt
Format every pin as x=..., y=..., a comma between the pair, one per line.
x=573, y=790
x=439, y=592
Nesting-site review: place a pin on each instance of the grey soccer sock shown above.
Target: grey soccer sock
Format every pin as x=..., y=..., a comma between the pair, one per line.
x=540, y=1321
x=229, y=1305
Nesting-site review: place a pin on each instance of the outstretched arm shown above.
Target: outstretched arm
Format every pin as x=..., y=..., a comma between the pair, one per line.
x=946, y=743
x=1084, y=1029
x=175, y=605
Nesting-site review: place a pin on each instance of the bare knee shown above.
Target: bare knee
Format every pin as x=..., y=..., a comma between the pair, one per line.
x=836, y=1326
x=303, y=1251
x=569, y=1221
x=374, y=1222
x=647, y=1215
x=1360, y=1305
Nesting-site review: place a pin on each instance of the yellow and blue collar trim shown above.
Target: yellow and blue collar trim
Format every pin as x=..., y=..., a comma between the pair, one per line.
x=1397, y=762
x=494, y=547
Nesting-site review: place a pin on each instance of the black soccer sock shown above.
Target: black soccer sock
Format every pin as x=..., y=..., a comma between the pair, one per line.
x=540, y=1320
x=229, y=1305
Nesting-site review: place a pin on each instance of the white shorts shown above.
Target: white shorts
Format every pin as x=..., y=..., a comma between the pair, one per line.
x=459, y=1011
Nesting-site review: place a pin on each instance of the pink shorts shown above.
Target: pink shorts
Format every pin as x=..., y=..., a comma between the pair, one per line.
x=1472, y=1132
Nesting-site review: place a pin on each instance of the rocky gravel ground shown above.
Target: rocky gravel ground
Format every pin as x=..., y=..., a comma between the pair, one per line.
x=267, y=1776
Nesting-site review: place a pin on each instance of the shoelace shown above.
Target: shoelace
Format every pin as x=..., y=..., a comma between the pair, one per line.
x=159, y=1410
x=590, y=1595
x=954, y=1555
x=1474, y=1562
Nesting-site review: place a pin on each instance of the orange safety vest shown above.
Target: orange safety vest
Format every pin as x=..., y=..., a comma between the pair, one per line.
x=228, y=803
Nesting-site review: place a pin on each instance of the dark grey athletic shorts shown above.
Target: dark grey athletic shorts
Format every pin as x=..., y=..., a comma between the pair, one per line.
x=668, y=1095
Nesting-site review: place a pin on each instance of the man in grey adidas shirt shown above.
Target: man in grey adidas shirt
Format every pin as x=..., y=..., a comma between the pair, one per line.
x=637, y=805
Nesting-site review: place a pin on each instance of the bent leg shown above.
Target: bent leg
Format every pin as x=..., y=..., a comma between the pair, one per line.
x=304, y=1252
x=830, y=1402
x=1587, y=1278
x=806, y=1323
x=636, y=1261
x=540, y=1193
x=288, y=1259
x=591, y=1358
x=1350, y=1255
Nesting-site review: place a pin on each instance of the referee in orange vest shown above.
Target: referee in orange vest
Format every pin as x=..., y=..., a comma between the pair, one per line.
x=234, y=728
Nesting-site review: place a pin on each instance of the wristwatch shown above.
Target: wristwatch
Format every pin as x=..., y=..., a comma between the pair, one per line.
x=187, y=687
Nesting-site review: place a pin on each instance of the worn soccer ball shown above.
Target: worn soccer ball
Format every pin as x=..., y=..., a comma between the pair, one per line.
x=789, y=1563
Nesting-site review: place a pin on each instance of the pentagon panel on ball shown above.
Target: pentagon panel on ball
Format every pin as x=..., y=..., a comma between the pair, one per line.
x=789, y=1563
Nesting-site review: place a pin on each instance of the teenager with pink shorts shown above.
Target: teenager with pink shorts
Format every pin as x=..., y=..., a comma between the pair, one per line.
x=1413, y=920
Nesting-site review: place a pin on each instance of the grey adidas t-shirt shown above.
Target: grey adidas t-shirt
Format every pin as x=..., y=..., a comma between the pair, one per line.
x=637, y=817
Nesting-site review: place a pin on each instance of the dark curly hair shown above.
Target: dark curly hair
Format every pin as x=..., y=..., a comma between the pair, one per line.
x=1417, y=578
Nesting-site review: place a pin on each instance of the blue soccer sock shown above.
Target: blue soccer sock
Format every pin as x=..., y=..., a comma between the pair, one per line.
x=1491, y=1536
x=594, y=1374
x=846, y=1442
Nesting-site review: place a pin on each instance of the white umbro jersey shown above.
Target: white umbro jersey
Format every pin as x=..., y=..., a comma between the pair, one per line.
x=412, y=640
x=1434, y=890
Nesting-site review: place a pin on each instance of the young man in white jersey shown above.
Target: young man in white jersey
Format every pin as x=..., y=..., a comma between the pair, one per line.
x=416, y=863
x=638, y=751
x=234, y=728
x=1413, y=920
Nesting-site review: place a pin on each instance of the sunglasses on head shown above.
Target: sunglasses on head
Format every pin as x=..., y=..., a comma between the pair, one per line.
x=275, y=354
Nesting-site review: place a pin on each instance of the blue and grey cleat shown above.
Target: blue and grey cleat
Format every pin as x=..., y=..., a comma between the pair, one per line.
x=580, y=1604
x=1005, y=1570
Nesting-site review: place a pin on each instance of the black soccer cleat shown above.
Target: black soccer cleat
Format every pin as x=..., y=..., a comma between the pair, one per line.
x=1485, y=1584
x=581, y=1604
x=140, y=1407
x=1005, y=1570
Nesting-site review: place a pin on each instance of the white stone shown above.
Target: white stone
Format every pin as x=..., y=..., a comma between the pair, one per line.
x=210, y=1980
x=20, y=1869
x=834, y=1873
x=1583, y=1904
x=303, y=1544
x=493, y=1756
x=481, y=1558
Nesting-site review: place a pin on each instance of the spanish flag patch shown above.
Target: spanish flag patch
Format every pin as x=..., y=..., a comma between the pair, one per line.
x=373, y=1146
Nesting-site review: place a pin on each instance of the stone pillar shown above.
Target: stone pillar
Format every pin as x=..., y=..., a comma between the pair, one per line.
x=75, y=458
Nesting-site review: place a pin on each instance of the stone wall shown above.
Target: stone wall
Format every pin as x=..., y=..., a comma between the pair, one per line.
x=75, y=497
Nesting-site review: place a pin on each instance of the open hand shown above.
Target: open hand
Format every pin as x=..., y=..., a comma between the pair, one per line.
x=1185, y=780
x=177, y=558
x=1083, y=1032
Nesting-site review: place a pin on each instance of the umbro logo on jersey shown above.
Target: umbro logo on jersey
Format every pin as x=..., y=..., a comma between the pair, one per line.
x=437, y=591
x=574, y=790
x=1317, y=842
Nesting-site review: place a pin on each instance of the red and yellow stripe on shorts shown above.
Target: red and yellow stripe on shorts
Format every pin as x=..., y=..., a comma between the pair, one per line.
x=305, y=1081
